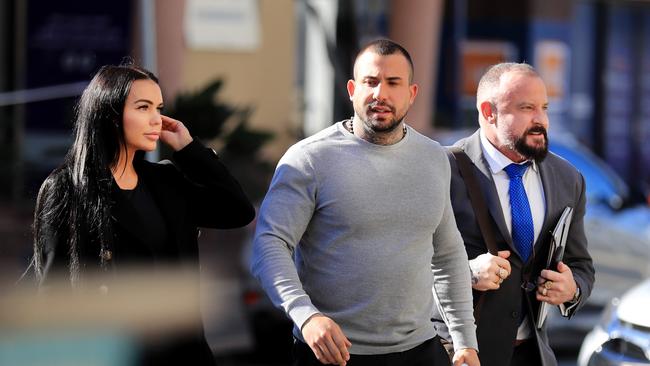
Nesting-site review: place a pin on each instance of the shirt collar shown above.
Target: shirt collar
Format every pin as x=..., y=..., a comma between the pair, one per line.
x=495, y=159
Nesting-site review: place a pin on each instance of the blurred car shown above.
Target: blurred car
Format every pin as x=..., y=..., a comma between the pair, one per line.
x=622, y=338
x=618, y=234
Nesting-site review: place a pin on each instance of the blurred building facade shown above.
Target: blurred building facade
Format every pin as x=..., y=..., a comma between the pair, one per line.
x=289, y=60
x=592, y=54
x=51, y=49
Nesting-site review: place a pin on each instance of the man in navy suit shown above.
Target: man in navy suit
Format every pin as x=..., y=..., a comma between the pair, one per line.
x=526, y=188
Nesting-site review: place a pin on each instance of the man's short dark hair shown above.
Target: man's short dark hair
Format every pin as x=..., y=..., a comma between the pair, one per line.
x=385, y=47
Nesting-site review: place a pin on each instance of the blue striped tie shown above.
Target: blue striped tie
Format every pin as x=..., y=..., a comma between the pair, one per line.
x=523, y=232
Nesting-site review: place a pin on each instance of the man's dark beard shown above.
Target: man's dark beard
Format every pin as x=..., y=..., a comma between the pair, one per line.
x=529, y=152
x=391, y=126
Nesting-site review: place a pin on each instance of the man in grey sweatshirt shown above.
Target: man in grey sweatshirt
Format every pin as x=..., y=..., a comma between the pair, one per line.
x=356, y=234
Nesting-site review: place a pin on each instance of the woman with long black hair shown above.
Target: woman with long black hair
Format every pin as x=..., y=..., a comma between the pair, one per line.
x=106, y=207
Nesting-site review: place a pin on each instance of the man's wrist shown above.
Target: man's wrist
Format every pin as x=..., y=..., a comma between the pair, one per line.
x=474, y=279
x=473, y=273
x=309, y=319
x=576, y=296
x=468, y=349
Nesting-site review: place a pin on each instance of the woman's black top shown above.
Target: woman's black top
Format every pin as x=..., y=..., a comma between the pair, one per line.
x=151, y=225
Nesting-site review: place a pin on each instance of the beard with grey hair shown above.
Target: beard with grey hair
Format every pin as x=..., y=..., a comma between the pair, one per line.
x=519, y=145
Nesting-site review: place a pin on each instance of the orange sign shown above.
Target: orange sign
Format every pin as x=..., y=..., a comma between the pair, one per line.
x=476, y=57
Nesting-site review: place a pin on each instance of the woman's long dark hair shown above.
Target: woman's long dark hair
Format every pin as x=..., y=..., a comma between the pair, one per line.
x=74, y=202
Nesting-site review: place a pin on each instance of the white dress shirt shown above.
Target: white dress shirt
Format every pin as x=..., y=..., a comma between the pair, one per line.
x=534, y=190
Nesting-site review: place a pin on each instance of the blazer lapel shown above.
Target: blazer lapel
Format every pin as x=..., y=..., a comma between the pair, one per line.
x=472, y=147
x=548, y=181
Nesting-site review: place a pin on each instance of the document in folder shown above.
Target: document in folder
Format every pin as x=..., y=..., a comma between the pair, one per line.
x=555, y=255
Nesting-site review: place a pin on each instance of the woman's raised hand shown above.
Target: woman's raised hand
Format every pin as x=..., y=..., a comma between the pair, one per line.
x=174, y=133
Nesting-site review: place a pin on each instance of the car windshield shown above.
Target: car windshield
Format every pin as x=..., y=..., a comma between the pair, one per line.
x=602, y=183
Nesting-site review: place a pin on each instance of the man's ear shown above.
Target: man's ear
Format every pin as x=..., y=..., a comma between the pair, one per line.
x=413, y=89
x=351, y=87
x=488, y=111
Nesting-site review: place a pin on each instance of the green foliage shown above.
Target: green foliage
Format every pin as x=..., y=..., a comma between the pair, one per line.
x=205, y=117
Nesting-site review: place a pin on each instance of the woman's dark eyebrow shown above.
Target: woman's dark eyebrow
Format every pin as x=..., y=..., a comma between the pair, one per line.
x=143, y=100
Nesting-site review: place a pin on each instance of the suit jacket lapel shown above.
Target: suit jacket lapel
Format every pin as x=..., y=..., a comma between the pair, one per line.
x=548, y=181
x=472, y=147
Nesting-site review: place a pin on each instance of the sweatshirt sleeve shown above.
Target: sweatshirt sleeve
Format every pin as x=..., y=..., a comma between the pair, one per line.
x=284, y=216
x=451, y=279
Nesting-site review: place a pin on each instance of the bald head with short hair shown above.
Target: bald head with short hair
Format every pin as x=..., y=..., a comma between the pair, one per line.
x=385, y=47
x=488, y=86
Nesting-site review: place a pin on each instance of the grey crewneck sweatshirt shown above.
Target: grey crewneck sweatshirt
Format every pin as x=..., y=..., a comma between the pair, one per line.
x=372, y=230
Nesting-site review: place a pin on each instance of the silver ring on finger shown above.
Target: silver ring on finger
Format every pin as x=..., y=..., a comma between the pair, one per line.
x=502, y=273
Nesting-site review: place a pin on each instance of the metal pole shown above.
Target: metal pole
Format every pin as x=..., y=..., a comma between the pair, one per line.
x=320, y=26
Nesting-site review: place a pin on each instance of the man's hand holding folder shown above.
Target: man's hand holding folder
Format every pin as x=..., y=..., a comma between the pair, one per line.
x=555, y=285
x=559, y=286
